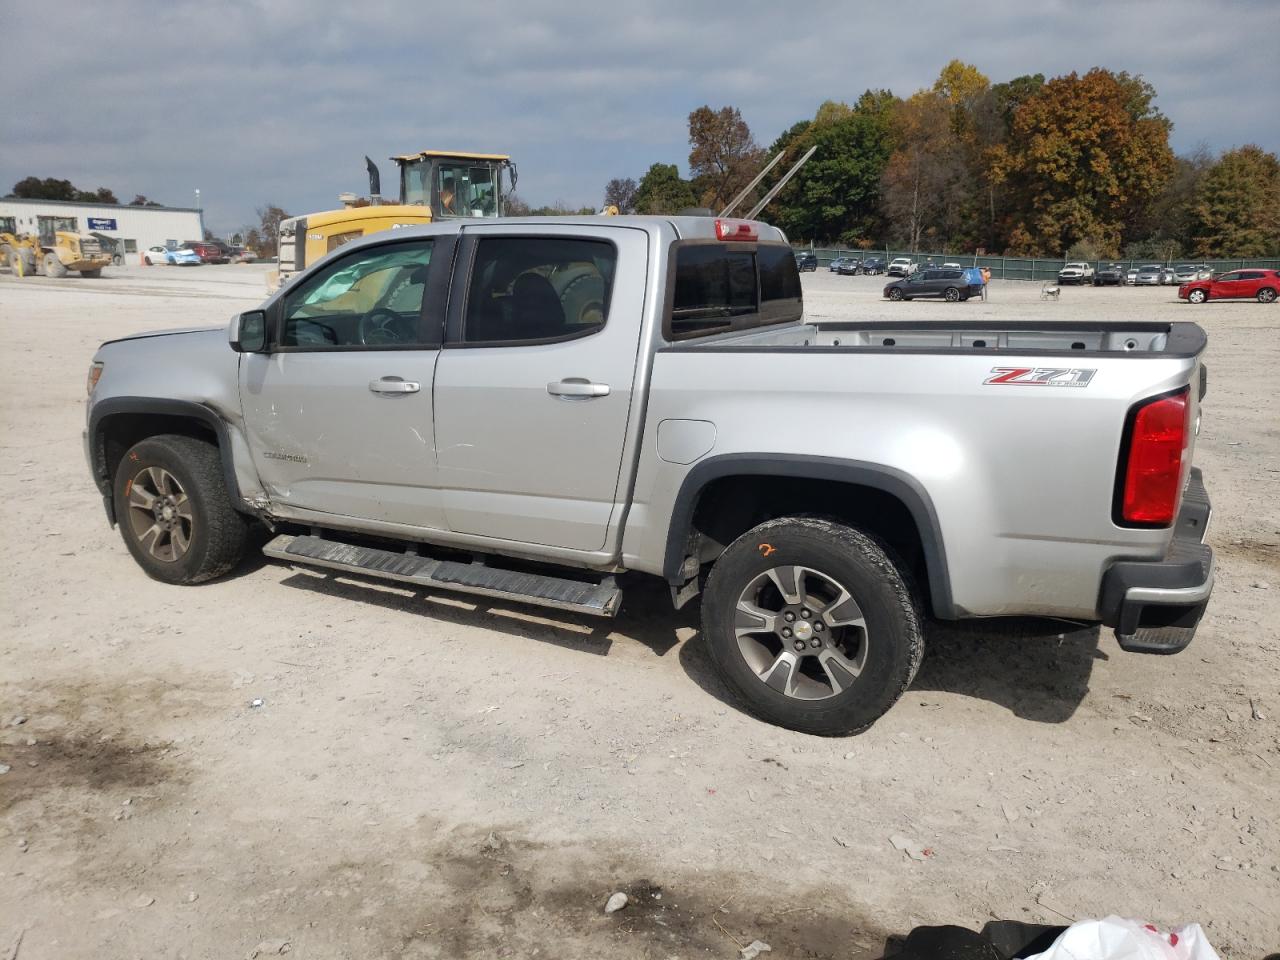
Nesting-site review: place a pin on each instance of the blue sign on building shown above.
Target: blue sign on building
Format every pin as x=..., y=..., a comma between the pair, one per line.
x=101, y=223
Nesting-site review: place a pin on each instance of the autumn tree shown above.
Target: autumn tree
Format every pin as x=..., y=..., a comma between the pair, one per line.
x=269, y=218
x=1236, y=211
x=621, y=193
x=723, y=156
x=1084, y=157
x=663, y=190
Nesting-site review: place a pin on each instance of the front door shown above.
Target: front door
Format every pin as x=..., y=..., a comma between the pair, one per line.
x=1228, y=286
x=338, y=414
x=534, y=387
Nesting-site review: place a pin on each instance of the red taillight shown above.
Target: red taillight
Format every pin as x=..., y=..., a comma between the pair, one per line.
x=1153, y=471
x=736, y=230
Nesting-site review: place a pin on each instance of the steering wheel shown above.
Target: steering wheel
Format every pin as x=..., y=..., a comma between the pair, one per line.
x=376, y=327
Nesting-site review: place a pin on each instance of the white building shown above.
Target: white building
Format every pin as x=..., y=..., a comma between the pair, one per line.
x=133, y=229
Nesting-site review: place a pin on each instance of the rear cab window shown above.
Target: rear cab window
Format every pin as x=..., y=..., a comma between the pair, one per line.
x=721, y=287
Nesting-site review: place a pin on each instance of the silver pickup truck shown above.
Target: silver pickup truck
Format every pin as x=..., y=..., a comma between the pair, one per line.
x=526, y=409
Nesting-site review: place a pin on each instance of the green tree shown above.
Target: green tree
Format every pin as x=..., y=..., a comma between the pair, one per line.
x=1236, y=211
x=140, y=201
x=50, y=188
x=662, y=190
x=835, y=196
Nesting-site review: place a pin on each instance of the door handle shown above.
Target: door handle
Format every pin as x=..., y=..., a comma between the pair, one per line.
x=394, y=385
x=577, y=388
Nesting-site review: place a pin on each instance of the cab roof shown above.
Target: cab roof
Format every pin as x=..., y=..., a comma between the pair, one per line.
x=452, y=154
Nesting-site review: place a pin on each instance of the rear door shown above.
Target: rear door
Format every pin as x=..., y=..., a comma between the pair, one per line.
x=338, y=415
x=535, y=384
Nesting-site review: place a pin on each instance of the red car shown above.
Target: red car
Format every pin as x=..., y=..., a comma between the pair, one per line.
x=207, y=252
x=1246, y=284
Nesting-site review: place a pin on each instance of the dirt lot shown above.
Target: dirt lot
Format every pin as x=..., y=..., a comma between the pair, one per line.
x=429, y=778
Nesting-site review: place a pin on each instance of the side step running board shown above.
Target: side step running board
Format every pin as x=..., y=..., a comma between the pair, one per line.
x=601, y=598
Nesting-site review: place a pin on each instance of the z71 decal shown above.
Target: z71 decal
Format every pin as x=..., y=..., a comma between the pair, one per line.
x=1041, y=376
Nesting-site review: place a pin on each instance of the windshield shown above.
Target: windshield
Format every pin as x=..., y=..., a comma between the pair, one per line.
x=452, y=188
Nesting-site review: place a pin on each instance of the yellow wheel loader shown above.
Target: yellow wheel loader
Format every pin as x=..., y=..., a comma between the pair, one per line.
x=434, y=184
x=54, y=256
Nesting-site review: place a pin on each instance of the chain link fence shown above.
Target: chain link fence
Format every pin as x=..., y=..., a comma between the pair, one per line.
x=1027, y=268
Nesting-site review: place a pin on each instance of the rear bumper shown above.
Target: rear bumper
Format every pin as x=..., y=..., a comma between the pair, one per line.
x=1156, y=605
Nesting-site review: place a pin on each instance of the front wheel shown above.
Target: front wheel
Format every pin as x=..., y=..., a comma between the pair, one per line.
x=951, y=294
x=174, y=511
x=1266, y=295
x=147, y=261
x=1197, y=296
x=53, y=266
x=895, y=294
x=812, y=625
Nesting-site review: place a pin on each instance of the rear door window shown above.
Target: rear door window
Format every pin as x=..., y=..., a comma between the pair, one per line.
x=721, y=287
x=538, y=289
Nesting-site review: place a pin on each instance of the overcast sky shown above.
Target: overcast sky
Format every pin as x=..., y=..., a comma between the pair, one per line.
x=277, y=102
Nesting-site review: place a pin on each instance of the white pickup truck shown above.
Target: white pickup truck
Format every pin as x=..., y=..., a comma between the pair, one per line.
x=1076, y=272
x=527, y=409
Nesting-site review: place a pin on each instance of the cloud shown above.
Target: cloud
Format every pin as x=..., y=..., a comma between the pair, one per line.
x=279, y=101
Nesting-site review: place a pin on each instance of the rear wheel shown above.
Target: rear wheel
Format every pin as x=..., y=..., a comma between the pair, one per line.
x=1266, y=295
x=174, y=511
x=951, y=294
x=53, y=266
x=812, y=625
x=1198, y=296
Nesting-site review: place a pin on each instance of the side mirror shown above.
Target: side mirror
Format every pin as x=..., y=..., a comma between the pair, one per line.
x=248, y=332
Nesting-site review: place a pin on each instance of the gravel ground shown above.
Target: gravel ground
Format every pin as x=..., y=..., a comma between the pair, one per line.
x=428, y=777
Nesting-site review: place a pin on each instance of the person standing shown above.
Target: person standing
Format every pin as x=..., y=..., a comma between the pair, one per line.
x=986, y=281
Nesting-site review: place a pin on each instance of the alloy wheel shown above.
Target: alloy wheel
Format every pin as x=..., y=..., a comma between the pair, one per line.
x=801, y=632
x=160, y=514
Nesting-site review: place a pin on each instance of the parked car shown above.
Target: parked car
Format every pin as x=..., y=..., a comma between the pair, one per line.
x=1168, y=276
x=872, y=266
x=1187, y=272
x=806, y=262
x=952, y=266
x=207, y=251
x=1260, y=285
x=902, y=267
x=176, y=257
x=1075, y=272
x=948, y=283
x=1131, y=276
x=241, y=255
x=817, y=550
x=1110, y=274
x=834, y=265
x=849, y=267
x=1149, y=275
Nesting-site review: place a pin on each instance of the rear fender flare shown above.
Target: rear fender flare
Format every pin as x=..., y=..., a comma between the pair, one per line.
x=890, y=480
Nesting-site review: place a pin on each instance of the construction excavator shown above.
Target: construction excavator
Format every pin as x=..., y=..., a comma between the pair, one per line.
x=434, y=184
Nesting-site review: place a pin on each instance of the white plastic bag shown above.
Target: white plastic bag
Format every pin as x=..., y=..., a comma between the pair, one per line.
x=1116, y=938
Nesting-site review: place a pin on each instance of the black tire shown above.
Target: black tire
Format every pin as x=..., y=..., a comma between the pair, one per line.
x=1197, y=296
x=147, y=261
x=895, y=294
x=217, y=535
x=951, y=295
x=863, y=566
x=117, y=260
x=1266, y=295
